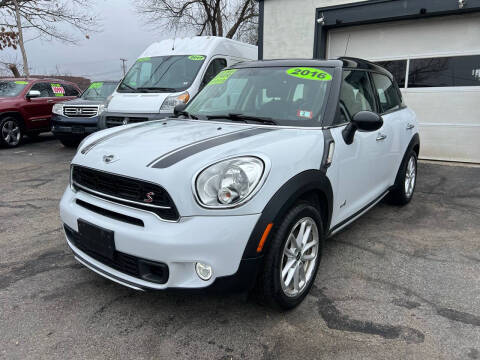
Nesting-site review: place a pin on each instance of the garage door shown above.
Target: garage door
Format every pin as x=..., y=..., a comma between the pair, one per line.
x=437, y=64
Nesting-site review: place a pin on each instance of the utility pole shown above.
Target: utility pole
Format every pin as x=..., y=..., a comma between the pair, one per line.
x=124, y=66
x=20, y=39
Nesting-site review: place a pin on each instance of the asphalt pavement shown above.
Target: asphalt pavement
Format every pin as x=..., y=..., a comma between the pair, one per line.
x=399, y=283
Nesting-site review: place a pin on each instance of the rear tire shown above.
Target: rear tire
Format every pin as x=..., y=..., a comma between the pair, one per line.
x=70, y=143
x=10, y=132
x=290, y=266
x=406, y=180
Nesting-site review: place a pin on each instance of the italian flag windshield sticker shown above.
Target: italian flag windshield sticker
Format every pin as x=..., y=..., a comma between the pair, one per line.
x=96, y=85
x=309, y=73
x=222, y=76
x=143, y=59
x=58, y=89
x=196, y=57
x=21, y=82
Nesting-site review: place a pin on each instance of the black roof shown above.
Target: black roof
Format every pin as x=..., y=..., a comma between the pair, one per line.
x=343, y=62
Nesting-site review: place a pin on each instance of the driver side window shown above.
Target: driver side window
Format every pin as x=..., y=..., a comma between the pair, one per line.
x=356, y=94
x=44, y=88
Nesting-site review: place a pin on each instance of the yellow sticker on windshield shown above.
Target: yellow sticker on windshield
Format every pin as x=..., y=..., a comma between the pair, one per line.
x=222, y=76
x=143, y=59
x=309, y=73
x=96, y=85
x=21, y=82
x=196, y=57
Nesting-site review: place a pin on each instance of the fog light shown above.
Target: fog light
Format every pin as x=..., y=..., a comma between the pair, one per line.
x=204, y=271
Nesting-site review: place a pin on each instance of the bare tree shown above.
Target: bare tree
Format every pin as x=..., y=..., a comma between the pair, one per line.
x=46, y=19
x=234, y=19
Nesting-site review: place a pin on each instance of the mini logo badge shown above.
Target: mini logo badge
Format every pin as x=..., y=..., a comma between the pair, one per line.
x=149, y=197
x=108, y=159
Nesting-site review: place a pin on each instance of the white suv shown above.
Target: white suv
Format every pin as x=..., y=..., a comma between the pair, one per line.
x=242, y=188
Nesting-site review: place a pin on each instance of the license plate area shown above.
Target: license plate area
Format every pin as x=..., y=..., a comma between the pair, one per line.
x=78, y=129
x=96, y=239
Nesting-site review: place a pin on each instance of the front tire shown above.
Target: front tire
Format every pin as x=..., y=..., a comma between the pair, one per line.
x=405, y=182
x=293, y=257
x=10, y=132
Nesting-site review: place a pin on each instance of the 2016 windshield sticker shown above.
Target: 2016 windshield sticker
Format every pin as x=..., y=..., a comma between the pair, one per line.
x=196, y=57
x=96, y=85
x=143, y=59
x=58, y=89
x=309, y=73
x=21, y=82
x=222, y=76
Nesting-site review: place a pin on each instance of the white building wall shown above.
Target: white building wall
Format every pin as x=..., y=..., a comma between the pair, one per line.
x=289, y=27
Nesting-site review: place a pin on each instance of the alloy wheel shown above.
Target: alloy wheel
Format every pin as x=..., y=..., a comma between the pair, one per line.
x=300, y=256
x=11, y=133
x=410, y=176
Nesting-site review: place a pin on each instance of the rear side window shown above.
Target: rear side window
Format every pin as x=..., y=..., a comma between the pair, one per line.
x=213, y=69
x=44, y=88
x=387, y=92
x=356, y=94
x=70, y=90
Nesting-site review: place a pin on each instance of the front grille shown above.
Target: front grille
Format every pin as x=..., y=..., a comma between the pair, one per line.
x=80, y=111
x=112, y=121
x=125, y=191
x=128, y=264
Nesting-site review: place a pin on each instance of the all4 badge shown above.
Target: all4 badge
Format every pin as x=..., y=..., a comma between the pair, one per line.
x=305, y=114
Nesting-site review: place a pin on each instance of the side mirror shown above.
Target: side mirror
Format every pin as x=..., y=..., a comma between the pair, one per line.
x=33, y=94
x=362, y=121
x=178, y=109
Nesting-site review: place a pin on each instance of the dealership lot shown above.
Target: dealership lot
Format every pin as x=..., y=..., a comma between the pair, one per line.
x=398, y=283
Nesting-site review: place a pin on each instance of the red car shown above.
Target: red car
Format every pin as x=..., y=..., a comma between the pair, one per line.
x=26, y=106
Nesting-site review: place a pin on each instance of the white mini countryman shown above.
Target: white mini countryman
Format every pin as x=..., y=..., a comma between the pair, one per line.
x=240, y=190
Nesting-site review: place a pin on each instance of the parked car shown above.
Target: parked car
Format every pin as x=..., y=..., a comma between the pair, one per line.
x=26, y=106
x=242, y=189
x=168, y=73
x=75, y=119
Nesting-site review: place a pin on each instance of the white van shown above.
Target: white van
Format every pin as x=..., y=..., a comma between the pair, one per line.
x=168, y=73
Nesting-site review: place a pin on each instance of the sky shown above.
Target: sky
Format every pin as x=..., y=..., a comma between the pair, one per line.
x=98, y=58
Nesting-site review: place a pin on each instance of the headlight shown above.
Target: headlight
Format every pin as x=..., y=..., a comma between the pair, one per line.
x=229, y=183
x=57, y=109
x=101, y=108
x=171, y=101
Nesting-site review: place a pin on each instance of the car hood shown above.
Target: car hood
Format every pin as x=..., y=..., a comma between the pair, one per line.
x=84, y=102
x=171, y=152
x=137, y=102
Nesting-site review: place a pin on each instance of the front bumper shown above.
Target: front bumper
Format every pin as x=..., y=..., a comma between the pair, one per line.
x=215, y=240
x=78, y=127
x=112, y=119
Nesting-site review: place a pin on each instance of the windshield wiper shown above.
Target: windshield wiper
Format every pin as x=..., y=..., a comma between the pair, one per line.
x=157, y=88
x=128, y=86
x=244, y=118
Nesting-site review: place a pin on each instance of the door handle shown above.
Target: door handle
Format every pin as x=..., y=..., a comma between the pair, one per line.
x=410, y=126
x=381, y=137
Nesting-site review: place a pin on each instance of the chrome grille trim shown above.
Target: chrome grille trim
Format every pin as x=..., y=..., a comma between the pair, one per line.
x=80, y=110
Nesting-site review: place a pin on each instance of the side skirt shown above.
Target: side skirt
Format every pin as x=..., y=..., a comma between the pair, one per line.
x=355, y=216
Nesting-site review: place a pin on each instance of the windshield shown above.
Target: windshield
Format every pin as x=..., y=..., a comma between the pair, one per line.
x=294, y=96
x=12, y=88
x=162, y=74
x=99, y=90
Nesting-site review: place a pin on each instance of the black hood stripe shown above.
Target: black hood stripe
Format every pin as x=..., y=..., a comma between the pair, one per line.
x=111, y=135
x=192, y=149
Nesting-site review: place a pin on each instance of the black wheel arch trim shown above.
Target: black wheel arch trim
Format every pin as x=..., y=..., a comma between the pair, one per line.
x=294, y=189
x=415, y=141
